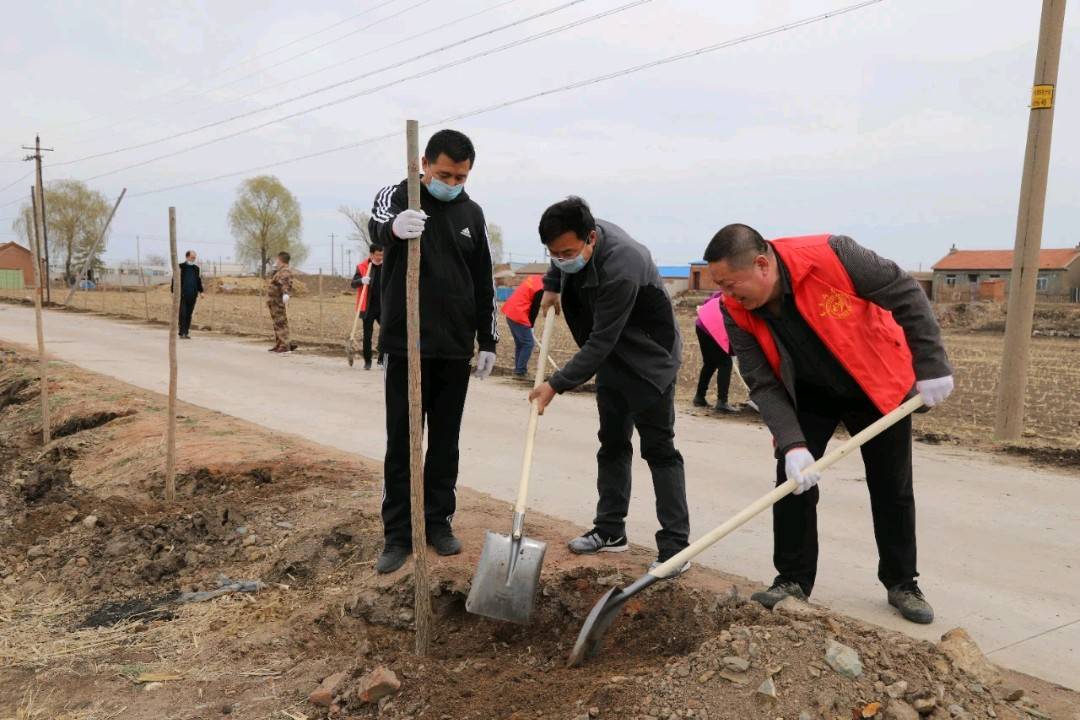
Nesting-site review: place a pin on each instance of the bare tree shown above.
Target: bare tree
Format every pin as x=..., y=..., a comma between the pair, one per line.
x=495, y=240
x=265, y=220
x=359, y=220
x=75, y=215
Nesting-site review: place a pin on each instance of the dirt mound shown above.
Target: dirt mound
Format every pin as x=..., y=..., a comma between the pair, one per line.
x=1051, y=320
x=247, y=286
x=86, y=422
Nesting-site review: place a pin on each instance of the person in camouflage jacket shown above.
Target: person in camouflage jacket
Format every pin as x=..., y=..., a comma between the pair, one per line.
x=277, y=297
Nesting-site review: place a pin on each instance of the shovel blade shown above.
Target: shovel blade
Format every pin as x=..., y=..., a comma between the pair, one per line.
x=350, y=352
x=506, y=580
x=596, y=624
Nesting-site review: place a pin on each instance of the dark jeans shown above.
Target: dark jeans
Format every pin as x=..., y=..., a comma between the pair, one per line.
x=654, y=418
x=187, y=308
x=369, y=321
x=887, y=459
x=713, y=360
x=444, y=384
x=523, y=346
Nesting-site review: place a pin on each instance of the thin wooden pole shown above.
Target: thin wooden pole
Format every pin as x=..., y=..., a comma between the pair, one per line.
x=46, y=433
x=1009, y=423
x=213, y=295
x=142, y=279
x=170, y=457
x=93, y=249
x=422, y=601
x=322, y=338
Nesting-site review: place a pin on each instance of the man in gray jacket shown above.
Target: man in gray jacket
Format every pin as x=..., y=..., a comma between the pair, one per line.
x=826, y=333
x=621, y=317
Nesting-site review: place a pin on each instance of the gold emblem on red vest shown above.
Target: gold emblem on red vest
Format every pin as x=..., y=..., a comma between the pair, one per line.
x=835, y=305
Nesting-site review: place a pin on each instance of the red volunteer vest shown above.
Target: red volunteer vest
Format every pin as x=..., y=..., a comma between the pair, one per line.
x=517, y=305
x=361, y=295
x=863, y=336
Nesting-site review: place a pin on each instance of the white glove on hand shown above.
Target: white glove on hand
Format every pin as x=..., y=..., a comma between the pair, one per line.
x=365, y=281
x=285, y=299
x=409, y=224
x=795, y=463
x=935, y=391
x=485, y=363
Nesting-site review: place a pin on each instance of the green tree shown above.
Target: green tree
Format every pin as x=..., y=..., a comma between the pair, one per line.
x=265, y=220
x=495, y=240
x=359, y=221
x=75, y=215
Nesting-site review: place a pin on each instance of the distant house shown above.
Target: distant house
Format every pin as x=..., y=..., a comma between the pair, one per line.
x=964, y=275
x=676, y=278
x=537, y=268
x=16, y=267
x=700, y=278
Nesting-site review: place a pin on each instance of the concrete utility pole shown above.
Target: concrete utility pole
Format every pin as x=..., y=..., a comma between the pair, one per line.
x=43, y=360
x=1012, y=384
x=36, y=157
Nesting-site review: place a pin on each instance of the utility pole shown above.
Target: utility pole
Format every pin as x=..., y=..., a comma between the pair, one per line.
x=36, y=157
x=1012, y=384
x=331, y=254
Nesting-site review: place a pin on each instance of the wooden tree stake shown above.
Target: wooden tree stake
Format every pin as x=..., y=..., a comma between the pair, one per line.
x=170, y=455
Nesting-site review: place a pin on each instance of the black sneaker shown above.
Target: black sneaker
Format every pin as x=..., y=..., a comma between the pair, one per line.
x=596, y=541
x=779, y=590
x=700, y=401
x=908, y=599
x=725, y=408
x=444, y=542
x=392, y=558
x=367, y=364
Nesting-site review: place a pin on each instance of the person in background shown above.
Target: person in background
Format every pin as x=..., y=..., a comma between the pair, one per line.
x=715, y=354
x=191, y=288
x=458, y=317
x=277, y=298
x=369, y=274
x=521, y=309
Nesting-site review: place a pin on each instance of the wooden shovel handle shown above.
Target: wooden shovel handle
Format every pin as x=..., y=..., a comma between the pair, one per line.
x=534, y=414
x=784, y=489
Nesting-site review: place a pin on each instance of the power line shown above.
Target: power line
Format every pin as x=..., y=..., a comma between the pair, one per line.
x=374, y=89
x=16, y=182
x=341, y=83
x=226, y=69
x=564, y=88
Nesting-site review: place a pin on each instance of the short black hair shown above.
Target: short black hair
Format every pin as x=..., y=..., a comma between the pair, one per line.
x=569, y=215
x=375, y=247
x=285, y=257
x=189, y=253
x=453, y=144
x=737, y=243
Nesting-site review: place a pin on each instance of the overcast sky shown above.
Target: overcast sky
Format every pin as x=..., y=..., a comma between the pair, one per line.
x=901, y=124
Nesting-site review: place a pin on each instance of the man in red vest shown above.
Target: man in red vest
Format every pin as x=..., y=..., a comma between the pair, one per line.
x=369, y=275
x=521, y=309
x=827, y=332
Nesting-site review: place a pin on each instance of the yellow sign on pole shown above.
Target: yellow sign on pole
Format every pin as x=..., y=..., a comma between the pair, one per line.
x=1042, y=96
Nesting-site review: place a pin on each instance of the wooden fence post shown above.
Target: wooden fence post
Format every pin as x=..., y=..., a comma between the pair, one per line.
x=170, y=454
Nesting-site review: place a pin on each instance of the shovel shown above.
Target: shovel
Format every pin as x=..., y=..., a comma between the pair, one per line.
x=607, y=609
x=350, y=344
x=506, y=579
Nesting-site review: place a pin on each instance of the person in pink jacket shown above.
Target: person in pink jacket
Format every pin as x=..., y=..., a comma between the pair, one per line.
x=715, y=354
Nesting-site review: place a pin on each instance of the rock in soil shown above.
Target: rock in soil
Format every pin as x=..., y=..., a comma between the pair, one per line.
x=965, y=655
x=900, y=710
x=323, y=696
x=377, y=684
x=843, y=659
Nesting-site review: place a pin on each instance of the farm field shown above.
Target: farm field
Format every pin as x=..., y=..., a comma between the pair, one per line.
x=1053, y=391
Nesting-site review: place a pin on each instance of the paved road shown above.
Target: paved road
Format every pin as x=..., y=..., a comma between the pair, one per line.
x=998, y=541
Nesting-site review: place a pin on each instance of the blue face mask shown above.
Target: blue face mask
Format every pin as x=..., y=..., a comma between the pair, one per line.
x=441, y=191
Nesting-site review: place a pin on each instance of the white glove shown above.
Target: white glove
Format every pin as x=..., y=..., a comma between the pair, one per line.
x=409, y=224
x=365, y=280
x=935, y=391
x=795, y=463
x=285, y=299
x=485, y=363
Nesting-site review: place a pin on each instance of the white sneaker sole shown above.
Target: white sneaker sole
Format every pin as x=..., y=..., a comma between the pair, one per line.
x=605, y=548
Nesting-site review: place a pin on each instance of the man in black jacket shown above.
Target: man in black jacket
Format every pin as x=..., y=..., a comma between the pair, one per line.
x=191, y=288
x=621, y=317
x=457, y=310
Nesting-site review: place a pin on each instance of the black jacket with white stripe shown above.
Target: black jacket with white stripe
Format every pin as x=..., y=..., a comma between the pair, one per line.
x=457, y=291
